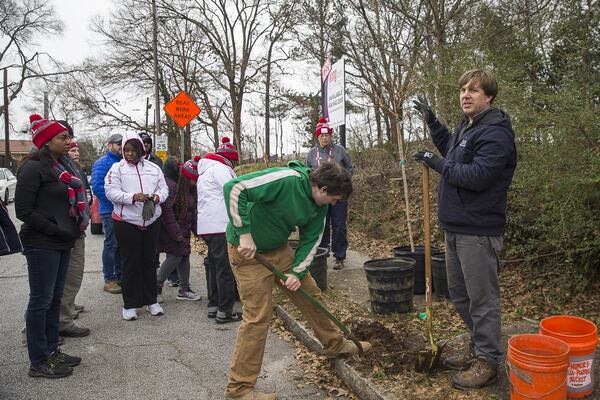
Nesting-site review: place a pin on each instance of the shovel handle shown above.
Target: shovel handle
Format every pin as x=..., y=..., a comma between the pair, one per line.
x=267, y=264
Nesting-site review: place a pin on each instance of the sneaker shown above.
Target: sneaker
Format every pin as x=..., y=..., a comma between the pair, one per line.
x=229, y=317
x=481, y=373
x=338, y=264
x=349, y=347
x=188, y=294
x=211, y=314
x=74, y=331
x=112, y=287
x=129, y=314
x=171, y=283
x=155, y=309
x=460, y=361
x=50, y=369
x=79, y=308
x=64, y=359
x=254, y=395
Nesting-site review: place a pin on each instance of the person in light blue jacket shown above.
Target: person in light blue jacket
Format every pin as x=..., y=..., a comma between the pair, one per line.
x=111, y=262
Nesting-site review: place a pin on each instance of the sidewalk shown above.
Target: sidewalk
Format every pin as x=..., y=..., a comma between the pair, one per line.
x=181, y=355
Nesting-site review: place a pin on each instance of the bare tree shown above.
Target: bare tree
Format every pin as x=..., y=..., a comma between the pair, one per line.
x=20, y=22
x=232, y=29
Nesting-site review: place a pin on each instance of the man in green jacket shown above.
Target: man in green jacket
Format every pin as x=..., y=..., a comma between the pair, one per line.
x=264, y=208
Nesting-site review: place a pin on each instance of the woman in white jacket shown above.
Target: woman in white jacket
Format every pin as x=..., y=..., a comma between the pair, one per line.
x=214, y=171
x=136, y=187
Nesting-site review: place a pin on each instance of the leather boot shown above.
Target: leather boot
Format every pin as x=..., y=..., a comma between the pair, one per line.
x=460, y=361
x=254, y=395
x=481, y=373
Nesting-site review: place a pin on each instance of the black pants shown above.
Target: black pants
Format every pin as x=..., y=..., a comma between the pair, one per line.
x=220, y=281
x=138, y=249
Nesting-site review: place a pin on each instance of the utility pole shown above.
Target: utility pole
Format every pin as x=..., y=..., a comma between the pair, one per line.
x=147, y=108
x=6, y=132
x=45, y=105
x=155, y=57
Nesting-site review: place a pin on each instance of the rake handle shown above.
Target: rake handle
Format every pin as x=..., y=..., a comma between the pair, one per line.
x=267, y=264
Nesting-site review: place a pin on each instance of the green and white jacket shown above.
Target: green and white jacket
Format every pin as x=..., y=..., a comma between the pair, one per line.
x=270, y=204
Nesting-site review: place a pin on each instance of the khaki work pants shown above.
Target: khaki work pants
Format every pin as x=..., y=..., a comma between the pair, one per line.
x=255, y=284
x=72, y=284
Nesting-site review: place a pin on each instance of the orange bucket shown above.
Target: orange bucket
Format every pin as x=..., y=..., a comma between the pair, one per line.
x=537, y=367
x=582, y=337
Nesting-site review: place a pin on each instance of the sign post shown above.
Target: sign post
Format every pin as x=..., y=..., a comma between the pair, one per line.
x=183, y=110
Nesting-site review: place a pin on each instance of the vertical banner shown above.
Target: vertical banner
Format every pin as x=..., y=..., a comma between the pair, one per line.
x=334, y=95
x=325, y=69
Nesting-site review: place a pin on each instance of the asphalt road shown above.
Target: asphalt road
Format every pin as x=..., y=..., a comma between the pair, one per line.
x=181, y=355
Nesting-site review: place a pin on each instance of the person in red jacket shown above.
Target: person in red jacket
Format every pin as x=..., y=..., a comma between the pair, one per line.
x=178, y=222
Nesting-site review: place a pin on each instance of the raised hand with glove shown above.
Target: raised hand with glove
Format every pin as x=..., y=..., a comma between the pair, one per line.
x=422, y=106
x=428, y=158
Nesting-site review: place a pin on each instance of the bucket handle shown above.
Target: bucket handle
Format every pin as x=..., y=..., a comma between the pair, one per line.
x=508, y=366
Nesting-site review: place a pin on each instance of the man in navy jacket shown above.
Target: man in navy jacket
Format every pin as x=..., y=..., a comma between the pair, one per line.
x=111, y=261
x=479, y=160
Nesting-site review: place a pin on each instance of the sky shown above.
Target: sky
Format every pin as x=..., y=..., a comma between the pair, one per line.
x=71, y=47
x=77, y=42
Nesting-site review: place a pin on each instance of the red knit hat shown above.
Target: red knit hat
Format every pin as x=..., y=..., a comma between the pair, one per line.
x=190, y=168
x=226, y=149
x=44, y=130
x=323, y=127
x=73, y=144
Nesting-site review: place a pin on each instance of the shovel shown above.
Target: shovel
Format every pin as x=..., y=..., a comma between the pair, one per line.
x=267, y=264
x=428, y=359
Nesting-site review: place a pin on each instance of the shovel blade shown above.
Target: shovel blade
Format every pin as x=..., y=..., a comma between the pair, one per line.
x=429, y=360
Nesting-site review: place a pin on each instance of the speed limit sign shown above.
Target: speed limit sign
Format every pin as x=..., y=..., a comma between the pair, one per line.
x=162, y=143
x=161, y=146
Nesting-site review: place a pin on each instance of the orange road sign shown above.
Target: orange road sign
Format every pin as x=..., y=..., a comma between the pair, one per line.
x=182, y=109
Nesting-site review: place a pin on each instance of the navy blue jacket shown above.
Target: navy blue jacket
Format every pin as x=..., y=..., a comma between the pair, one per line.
x=477, y=171
x=99, y=171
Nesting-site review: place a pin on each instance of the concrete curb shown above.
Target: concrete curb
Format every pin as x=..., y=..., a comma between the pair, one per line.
x=360, y=386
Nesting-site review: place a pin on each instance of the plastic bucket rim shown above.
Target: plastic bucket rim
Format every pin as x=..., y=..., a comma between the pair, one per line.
x=537, y=336
x=411, y=264
x=587, y=322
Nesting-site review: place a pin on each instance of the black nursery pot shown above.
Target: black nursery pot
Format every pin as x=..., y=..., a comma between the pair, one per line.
x=419, y=256
x=391, y=283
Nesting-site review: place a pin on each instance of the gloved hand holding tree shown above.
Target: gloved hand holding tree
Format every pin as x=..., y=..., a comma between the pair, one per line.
x=422, y=106
x=428, y=158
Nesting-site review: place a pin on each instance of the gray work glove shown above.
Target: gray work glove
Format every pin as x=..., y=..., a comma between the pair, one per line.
x=422, y=106
x=148, y=210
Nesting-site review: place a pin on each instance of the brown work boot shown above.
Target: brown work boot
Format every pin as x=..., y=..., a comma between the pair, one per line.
x=350, y=348
x=254, y=395
x=460, y=361
x=112, y=287
x=481, y=373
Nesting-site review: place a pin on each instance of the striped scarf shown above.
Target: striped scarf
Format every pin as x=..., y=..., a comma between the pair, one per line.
x=77, y=197
x=220, y=158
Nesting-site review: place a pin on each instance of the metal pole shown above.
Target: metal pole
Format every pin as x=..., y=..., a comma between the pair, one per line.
x=155, y=57
x=147, y=108
x=6, y=131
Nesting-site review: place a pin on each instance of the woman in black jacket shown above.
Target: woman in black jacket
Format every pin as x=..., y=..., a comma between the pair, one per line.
x=50, y=201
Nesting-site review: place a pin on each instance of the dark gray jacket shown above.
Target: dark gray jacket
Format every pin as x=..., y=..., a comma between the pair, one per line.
x=333, y=152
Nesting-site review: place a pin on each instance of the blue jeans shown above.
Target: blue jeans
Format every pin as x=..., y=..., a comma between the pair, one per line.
x=336, y=223
x=111, y=260
x=47, y=271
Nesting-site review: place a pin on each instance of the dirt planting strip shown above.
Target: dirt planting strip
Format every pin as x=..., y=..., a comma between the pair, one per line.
x=360, y=386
